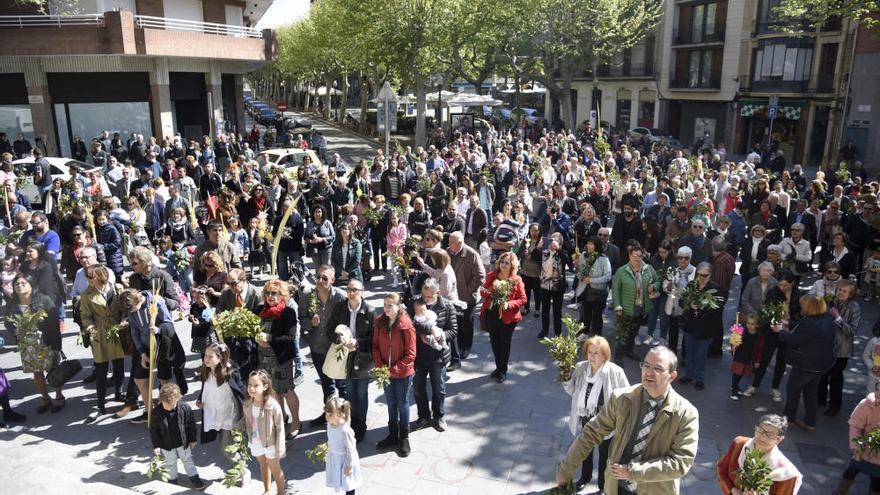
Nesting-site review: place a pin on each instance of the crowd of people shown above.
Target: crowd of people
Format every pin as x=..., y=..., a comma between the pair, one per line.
x=475, y=231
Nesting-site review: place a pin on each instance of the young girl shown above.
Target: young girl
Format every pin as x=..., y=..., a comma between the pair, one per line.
x=872, y=278
x=256, y=258
x=397, y=233
x=264, y=425
x=222, y=395
x=871, y=357
x=239, y=237
x=343, y=464
x=746, y=356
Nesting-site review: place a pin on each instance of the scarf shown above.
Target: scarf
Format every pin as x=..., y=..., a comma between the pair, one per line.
x=601, y=380
x=272, y=312
x=260, y=203
x=765, y=215
x=781, y=468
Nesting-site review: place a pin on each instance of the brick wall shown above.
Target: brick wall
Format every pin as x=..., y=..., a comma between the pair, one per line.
x=869, y=41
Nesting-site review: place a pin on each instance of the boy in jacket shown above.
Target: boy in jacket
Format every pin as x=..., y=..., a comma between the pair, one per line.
x=173, y=433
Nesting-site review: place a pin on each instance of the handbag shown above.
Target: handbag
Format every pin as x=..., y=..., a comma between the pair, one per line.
x=63, y=372
x=596, y=295
x=360, y=364
x=4, y=383
x=335, y=363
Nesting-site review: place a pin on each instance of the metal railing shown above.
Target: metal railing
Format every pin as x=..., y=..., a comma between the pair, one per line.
x=146, y=21
x=23, y=21
x=687, y=36
x=679, y=82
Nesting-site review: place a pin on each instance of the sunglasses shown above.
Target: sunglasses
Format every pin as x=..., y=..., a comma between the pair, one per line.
x=702, y=274
x=272, y=293
x=698, y=227
x=323, y=278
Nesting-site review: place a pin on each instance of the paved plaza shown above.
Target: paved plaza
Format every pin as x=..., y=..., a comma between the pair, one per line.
x=502, y=438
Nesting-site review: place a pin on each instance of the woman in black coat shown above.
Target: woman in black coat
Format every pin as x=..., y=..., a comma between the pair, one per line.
x=810, y=354
x=754, y=251
x=699, y=323
x=42, y=272
x=111, y=240
x=785, y=292
x=276, y=347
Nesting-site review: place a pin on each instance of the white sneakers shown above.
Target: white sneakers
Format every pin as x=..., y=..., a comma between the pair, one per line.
x=748, y=392
x=776, y=395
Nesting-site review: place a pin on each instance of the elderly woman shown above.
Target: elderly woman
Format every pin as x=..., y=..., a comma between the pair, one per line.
x=346, y=255
x=785, y=292
x=97, y=319
x=632, y=289
x=769, y=433
x=40, y=348
x=839, y=253
x=500, y=318
x=593, y=281
x=826, y=287
x=682, y=275
x=590, y=387
x=754, y=252
x=276, y=347
x=847, y=315
x=811, y=355
x=796, y=250
x=863, y=419
x=755, y=291
x=553, y=262
x=698, y=328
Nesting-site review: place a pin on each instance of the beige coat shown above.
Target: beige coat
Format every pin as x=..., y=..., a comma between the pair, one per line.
x=96, y=312
x=671, y=449
x=270, y=422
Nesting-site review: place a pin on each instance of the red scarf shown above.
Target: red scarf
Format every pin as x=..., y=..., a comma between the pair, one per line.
x=272, y=312
x=765, y=215
x=260, y=203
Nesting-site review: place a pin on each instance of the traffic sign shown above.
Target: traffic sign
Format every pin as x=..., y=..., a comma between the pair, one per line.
x=281, y=106
x=392, y=116
x=773, y=111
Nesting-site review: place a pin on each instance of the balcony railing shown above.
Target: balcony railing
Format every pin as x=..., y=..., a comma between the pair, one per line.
x=686, y=83
x=23, y=21
x=688, y=37
x=642, y=70
x=146, y=21
x=823, y=83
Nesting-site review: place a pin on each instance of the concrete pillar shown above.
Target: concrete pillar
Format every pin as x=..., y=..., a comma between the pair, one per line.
x=634, y=109
x=40, y=102
x=214, y=88
x=239, y=104
x=160, y=95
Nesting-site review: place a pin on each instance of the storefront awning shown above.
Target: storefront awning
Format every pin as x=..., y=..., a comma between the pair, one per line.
x=758, y=108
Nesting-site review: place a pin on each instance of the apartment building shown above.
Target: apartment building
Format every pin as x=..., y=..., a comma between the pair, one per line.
x=700, y=60
x=862, y=102
x=155, y=67
x=807, y=72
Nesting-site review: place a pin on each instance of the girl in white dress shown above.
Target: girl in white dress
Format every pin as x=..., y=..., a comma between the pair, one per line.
x=343, y=464
x=222, y=395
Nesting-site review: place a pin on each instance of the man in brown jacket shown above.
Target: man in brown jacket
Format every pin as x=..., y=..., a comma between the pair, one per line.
x=470, y=275
x=655, y=433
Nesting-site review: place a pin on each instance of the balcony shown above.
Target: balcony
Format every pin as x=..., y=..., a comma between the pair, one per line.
x=123, y=33
x=777, y=27
x=823, y=83
x=624, y=71
x=682, y=37
x=683, y=82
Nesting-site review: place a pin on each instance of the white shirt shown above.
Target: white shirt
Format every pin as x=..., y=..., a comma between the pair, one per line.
x=755, y=246
x=218, y=406
x=81, y=283
x=352, y=317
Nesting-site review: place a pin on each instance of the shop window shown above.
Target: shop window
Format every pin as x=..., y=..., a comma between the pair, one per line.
x=88, y=120
x=779, y=62
x=15, y=120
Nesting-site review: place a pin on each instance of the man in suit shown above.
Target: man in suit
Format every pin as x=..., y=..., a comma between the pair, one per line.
x=656, y=433
x=240, y=293
x=476, y=223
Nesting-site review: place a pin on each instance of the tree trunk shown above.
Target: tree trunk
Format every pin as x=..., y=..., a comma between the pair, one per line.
x=567, y=117
x=365, y=100
x=328, y=97
x=420, y=112
x=307, y=99
x=343, y=99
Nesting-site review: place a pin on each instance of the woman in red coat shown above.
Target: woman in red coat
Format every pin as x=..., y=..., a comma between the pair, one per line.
x=501, y=318
x=769, y=433
x=394, y=346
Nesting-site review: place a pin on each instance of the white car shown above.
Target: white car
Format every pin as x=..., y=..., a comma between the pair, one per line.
x=291, y=159
x=59, y=168
x=653, y=135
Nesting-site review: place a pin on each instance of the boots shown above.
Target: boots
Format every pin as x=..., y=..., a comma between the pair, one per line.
x=843, y=487
x=404, y=449
x=391, y=441
x=8, y=413
x=360, y=430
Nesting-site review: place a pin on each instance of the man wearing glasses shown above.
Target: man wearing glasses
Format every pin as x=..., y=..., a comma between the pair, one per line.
x=40, y=231
x=228, y=252
x=700, y=245
x=650, y=410
x=318, y=324
x=239, y=293
x=611, y=251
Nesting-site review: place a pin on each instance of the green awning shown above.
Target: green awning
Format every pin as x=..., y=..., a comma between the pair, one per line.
x=788, y=109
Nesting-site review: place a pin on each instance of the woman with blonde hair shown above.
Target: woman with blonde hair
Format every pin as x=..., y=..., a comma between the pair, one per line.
x=590, y=387
x=501, y=314
x=442, y=272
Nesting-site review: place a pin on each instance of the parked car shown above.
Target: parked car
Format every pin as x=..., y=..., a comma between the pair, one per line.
x=59, y=168
x=291, y=159
x=531, y=114
x=653, y=134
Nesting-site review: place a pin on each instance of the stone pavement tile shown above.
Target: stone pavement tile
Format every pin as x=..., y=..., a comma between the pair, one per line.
x=454, y=448
x=492, y=467
x=481, y=486
x=397, y=475
x=447, y=470
x=434, y=488
x=380, y=489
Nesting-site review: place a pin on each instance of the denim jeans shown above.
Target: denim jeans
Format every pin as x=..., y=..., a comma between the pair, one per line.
x=696, y=350
x=329, y=386
x=437, y=374
x=357, y=389
x=397, y=396
x=297, y=356
x=658, y=313
x=184, y=454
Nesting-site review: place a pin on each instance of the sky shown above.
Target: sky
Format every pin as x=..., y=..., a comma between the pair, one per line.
x=283, y=12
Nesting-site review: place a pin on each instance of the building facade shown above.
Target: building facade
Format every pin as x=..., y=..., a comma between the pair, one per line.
x=808, y=74
x=862, y=106
x=153, y=67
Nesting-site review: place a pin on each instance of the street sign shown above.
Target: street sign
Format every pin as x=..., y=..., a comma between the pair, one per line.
x=772, y=111
x=281, y=106
x=392, y=116
x=386, y=112
x=774, y=101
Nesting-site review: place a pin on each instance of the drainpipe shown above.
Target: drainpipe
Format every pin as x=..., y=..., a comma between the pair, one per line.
x=845, y=109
